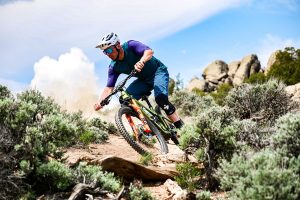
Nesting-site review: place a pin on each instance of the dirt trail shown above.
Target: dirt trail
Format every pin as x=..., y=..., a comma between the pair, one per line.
x=117, y=146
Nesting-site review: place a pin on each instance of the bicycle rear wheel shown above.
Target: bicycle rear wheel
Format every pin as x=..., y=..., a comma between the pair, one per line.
x=132, y=132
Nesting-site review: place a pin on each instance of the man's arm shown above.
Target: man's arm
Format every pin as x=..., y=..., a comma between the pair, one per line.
x=146, y=56
x=142, y=50
x=105, y=93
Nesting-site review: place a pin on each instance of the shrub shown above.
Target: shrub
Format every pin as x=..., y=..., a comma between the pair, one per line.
x=31, y=129
x=287, y=136
x=108, y=127
x=56, y=174
x=171, y=86
x=256, y=78
x=263, y=175
x=213, y=136
x=89, y=174
x=190, y=104
x=221, y=92
x=187, y=174
x=261, y=102
x=4, y=92
x=198, y=92
x=203, y=195
x=286, y=66
x=250, y=135
x=137, y=192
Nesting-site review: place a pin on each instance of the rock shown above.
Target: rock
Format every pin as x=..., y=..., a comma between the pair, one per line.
x=130, y=170
x=176, y=192
x=271, y=61
x=294, y=91
x=249, y=64
x=215, y=71
x=198, y=84
x=233, y=67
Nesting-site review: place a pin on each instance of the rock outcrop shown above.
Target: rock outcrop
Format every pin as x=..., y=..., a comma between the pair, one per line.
x=271, y=61
x=219, y=72
x=249, y=65
x=294, y=91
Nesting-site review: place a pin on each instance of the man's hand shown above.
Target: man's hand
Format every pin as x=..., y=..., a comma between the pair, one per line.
x=97, y=106
x=139, y=66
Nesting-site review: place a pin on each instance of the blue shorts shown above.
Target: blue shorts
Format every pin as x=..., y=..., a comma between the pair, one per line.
x=160, y=84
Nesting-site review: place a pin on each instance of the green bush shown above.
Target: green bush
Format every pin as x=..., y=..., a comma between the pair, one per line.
x=171, y=86
x=287, y=136
x=261, y=102
x=89, y=174
x=137, y=192
x=108, y=127
x=32, y=128
x=187, y=174
x=203, y=195
x=4, y=92
x=286, y=66
x=262, y=175
x=256, y=78
x=199, y=92
x=190, y=104
x=221, y=92
x=56, y=174
x=214, y=136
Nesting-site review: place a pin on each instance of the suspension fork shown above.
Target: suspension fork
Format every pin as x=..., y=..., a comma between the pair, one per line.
x=137, y=109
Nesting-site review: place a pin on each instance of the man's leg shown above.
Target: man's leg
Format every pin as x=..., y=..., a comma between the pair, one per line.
x=139, y=88
x=161, y=88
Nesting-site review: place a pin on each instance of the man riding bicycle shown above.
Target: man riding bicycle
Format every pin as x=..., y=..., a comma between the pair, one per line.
x=152, y=73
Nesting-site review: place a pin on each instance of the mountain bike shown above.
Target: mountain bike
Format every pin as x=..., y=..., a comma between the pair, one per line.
x=143, y=126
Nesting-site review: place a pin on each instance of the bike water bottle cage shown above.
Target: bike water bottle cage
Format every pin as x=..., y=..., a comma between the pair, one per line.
x=163, y=102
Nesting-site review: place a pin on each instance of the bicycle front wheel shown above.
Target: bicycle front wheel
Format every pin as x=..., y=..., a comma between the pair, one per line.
x=131, y=128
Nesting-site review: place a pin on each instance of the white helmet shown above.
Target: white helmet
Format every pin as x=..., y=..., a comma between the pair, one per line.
x=108, y=40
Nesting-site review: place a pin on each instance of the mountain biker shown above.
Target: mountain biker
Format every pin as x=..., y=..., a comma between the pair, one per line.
x=152, y=73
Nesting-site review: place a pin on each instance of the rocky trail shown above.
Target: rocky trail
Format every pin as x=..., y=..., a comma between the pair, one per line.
x=117, y=156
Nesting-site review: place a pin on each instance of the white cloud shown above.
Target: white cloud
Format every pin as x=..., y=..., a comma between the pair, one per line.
x=271, y=43
x=32, y=29
x=70, y=80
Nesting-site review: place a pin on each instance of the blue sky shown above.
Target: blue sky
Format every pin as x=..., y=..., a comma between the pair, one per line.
x=185, y=35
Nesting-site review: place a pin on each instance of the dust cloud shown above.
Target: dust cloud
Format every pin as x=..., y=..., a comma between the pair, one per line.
x=70, y=80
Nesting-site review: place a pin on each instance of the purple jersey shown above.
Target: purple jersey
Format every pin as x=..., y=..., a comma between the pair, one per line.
x=138, y=48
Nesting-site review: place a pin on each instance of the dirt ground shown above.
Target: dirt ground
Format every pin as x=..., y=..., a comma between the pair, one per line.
x=117, y=146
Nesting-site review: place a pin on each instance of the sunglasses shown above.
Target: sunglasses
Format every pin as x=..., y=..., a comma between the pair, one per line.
x=108, y=51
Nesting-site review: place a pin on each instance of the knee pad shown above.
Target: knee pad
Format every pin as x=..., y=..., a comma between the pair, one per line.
x=163, y=102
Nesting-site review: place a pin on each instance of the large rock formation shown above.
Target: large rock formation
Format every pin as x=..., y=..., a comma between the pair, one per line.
x=219, y=72
x=249, y=65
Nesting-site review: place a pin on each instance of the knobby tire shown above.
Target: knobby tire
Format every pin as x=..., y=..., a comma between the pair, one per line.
x=121, y=127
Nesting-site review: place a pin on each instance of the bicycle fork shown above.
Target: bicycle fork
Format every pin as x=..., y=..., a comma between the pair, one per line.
x=146, y=127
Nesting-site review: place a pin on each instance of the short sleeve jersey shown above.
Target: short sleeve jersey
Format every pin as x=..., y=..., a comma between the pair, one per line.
x=133, y=51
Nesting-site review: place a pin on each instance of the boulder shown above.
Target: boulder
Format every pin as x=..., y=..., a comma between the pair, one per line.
x=131, y=170
x=198, y=84
x=271, y=61
x=294, y=91
x=233, y=67
x=249, y=65
x=215, y=71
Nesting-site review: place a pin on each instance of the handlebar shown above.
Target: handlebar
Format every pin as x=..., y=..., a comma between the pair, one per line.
x=118, y=88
